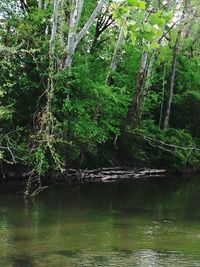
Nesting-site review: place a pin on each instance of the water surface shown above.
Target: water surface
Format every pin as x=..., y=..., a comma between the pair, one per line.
x=152, y=222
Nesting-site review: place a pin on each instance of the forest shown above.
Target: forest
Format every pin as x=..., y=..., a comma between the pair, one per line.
x=87, y=83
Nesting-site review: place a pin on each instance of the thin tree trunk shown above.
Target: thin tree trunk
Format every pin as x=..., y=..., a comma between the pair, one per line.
x=50, y=87
x=172, y=80
x=75, y=15
x=54, y=28
x=115, y=57
x=40, y=4
x=90, y=21
x=143, y=84
x=173, y=72
x=163, y=95
x=74, y=38
x=138, y=88
x=62, y=25
x=146, y=87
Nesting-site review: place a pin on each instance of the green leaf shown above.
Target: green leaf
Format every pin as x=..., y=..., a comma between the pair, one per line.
x=122, y=10
x=154, y=45
x=132, y=2
x=133, y=38
x=161, y=22
x=154, y=19
x=133, y=26
x=147, y=47
x=142, y=5
x=149, y=36
x=115, y=14
x=147, y=27
x=168, y=16
x=158, y=32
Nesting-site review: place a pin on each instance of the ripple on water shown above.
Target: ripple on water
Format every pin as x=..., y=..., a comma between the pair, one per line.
x=123, y=258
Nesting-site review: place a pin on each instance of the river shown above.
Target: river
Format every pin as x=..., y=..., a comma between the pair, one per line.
x=147, y=222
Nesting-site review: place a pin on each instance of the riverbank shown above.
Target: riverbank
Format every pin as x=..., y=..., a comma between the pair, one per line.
x=31, y=184
x=70, y=176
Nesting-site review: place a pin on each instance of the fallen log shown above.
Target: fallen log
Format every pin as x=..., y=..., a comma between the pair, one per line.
x=72, y=176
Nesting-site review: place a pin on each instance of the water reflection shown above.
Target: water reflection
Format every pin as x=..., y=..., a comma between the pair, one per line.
x=141, y=223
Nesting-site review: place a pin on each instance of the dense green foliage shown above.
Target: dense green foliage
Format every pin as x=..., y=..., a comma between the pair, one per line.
x=53, y=117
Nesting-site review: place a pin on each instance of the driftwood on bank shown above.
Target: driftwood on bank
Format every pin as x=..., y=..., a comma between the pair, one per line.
x=72, y=176
x=35, y=184
x=107, y=174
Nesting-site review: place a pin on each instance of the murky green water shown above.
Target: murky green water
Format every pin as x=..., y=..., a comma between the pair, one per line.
x=140, y=223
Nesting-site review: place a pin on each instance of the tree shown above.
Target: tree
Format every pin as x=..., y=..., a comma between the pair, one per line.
x=75, y=37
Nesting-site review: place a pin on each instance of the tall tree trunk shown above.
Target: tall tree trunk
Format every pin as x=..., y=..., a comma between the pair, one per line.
x=74, y=38
x=138, y=88
x=54, y=28
x=50, y=86
x=172, y=80
x=62, y=24
x=173, y=69
x=163, y=96
x=75, y=15
x=146, y=87
x=143, y=84
x=115, y=57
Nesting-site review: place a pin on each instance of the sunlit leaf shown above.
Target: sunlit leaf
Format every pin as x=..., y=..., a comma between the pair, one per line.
x=132, y=2
x=154, y=45
x=142, y=5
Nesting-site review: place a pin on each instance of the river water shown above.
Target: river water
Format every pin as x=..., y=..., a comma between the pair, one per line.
x=151, y=222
